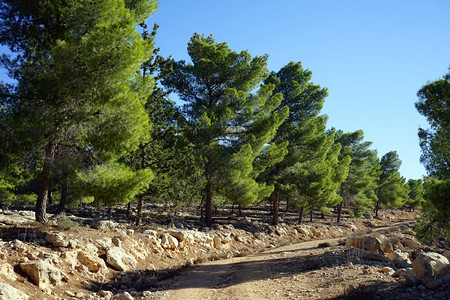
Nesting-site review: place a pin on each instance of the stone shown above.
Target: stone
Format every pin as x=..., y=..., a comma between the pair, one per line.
x=104, y=243
x=374, y=256
x=168, y=241
x=410, y=243
x=93, y=263
x=387, y=270
x=124, y=296
x=117, y=241
x=120, y=260
x=8, y=271
x=43, y=274
x=106, y=225
x=217, y=242
x=430, y=264
x=57, y=239
x=8, y=292
x=369, y=243
x=107, y=295
x=304, y=231
x=431, y=284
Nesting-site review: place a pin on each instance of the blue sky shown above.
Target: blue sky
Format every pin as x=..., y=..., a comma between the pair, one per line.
x=373, y=56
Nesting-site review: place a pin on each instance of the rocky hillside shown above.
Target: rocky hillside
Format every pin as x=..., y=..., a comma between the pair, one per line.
x=103, y=259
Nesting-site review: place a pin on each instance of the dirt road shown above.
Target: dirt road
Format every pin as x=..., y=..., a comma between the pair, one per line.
x=252, y=277
x=297, y=271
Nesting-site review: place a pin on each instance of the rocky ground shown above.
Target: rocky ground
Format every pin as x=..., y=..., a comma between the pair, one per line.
x=84, y=255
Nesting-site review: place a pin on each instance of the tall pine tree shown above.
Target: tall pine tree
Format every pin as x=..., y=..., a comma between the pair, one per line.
x=76, y=67
x=229, y=128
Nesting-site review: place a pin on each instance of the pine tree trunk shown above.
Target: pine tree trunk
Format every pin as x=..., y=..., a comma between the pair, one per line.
x=240, y=209
x=300, y=215
x=139, y=210
x=287, y=205
x=208, y=204
x=129, y=208
x=311, y=214
x=50, y=196
x=141, y=197
x=377, y=206
x=44, y=179
x=339, y=211
x=232, y=208
x=63, y=200
x=274, y=198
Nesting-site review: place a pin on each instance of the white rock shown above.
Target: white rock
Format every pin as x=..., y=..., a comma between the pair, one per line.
x=168, y=241
x=217, y=242
x=43, y=274
x=117, y=241
x=57, y=239
x=93, y=263
x=106, y=225
x=8, y=292
x=124, y=296
x=120, y=260
x=369, y=243
x=104, y=243
x=8, y=271
x=429, y=264
x=387, y=270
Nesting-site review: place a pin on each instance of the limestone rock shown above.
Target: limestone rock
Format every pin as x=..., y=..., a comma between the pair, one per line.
x=43, y=274
x=106, y=225
x=120, y=260
x=374, y=256
x=410, y=243
x=387, y=270
x=217, y=242
x=124, y=296
x=369, y=243
x=93, y=263
x=8, y=271
x=168, y=241
x=430, y=264
x=104, y=243
x=8, y=292
x=57, y=239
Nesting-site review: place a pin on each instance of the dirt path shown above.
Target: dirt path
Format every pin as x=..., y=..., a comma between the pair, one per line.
x=240, y=277
x=288, y=272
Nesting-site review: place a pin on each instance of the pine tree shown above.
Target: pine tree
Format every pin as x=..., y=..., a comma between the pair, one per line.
x=433, y=103
x=302, y=132
x=392, y=190
x=77, y=77
x=358, y=190
x=229, y=128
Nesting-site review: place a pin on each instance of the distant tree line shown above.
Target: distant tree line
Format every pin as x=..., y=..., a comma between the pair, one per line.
x=88, y=119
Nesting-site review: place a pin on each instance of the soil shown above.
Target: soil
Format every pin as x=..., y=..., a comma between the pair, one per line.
x=264, y=262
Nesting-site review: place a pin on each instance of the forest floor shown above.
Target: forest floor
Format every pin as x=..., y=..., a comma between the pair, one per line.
x=259, y=261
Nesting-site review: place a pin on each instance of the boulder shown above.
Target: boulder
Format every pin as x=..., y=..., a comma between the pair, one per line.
x=168, y=241
x=8, y=271
x=57, y=239
x=106, y=225
x=120, y=260
x=8, y=292
x=374, y=256
x=93, y=263
x=304, y=231
x=410, y=243
x=369, y=243
x=217, y=242
x=387, y=270
x=430, y=264
x=104, y=243
x=43, y=274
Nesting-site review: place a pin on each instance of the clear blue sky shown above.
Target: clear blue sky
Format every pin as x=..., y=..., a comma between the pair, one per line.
x=373, y=56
